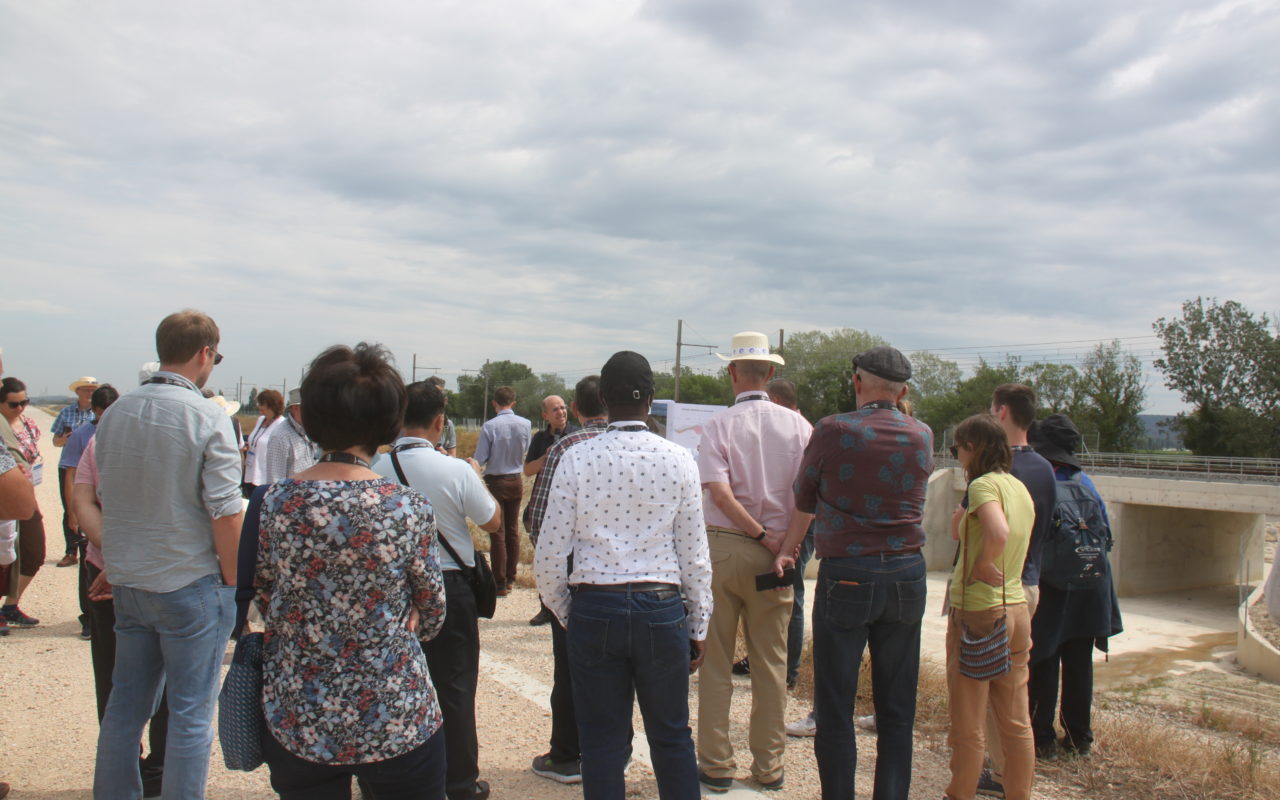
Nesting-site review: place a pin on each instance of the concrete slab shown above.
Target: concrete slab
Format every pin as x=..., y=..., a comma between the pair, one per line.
x=1169, y=534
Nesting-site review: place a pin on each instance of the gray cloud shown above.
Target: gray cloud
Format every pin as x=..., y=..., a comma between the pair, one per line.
x=551, y=181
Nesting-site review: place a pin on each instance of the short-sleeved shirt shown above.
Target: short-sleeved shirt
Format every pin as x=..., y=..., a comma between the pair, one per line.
x=340, y=564
x=76, y=443
x=503, y=442
x=543, y=439
x=7, y=461
x=455, y=490
x=864, y=476
x=449, y=436
x=288, y=452
x=755, y=446
x=1015, y=503
x=168, y=467
x=72, y=416
x=87, y=473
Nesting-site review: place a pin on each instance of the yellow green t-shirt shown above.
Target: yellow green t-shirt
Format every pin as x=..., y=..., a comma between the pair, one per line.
x=1015, y=500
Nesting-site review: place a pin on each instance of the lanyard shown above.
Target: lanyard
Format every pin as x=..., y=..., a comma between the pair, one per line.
x=751, y=397
x=885, y=404
x=173, y=382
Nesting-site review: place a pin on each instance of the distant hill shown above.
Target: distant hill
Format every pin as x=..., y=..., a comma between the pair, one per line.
x=1158, y=434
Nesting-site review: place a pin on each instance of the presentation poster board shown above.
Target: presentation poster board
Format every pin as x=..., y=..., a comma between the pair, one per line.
x=685, y=421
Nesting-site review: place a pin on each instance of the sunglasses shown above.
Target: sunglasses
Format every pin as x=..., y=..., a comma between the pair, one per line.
x=217, y=357
x=955, y=451
x=20, y=404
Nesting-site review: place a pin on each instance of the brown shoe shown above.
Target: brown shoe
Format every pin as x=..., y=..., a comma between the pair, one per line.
x=502, y=590
x=69, y=560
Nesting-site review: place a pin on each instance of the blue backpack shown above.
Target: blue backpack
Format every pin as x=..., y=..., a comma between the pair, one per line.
x=1075, y=553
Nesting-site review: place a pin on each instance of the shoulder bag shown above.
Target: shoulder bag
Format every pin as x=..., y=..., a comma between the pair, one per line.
x=986, y=657
x=241, y=723
x=483, y=585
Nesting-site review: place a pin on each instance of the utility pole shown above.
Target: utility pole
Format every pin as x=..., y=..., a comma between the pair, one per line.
x=679, y=333
x=680, y=343
x=239, y=389
x=484, y=405
x=416, y=368
x=781, y=340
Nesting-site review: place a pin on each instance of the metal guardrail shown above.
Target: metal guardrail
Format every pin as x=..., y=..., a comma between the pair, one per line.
x=1170, y=465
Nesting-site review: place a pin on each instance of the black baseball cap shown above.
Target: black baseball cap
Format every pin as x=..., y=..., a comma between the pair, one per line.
x=1056, y=438
x=884, y=362
x=626, y=378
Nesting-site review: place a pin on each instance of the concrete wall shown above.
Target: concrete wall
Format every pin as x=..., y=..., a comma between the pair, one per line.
x=1169, y=534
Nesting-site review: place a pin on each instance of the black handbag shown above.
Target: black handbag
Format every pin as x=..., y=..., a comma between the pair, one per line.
x=480, y=577
x=241, y=723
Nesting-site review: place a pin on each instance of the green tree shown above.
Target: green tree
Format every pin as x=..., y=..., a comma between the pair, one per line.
x=695, y=387
x=1112, y=393
x=253, y=399
x=932, y=375
x=1225, y=362
x=472, y=401
x=820, y=363
x=971, y=396
x=1057, y=388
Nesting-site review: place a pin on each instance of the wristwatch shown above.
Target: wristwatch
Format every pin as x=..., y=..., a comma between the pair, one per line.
x=763, y=531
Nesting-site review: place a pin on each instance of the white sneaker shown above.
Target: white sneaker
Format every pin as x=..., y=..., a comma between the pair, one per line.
x=867, y=723
x=803, y=727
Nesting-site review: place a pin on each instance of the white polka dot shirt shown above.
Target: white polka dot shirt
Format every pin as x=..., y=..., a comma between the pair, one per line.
x=628, y=507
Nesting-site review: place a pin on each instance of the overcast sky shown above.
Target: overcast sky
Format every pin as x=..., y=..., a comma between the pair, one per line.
x=550, y=181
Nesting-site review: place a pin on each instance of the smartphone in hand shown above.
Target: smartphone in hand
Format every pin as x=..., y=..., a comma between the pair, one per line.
x=770, y=580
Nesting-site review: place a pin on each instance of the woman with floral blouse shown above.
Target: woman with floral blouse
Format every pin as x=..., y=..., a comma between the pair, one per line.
x=348, y=579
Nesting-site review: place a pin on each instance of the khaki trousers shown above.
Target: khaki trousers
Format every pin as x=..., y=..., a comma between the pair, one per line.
x=993, y=731
x=735, y=563
x=1007, y=697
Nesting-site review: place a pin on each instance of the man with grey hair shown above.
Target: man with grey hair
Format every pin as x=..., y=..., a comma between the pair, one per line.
x=864, y=476
x=747, y=458
x=289, y=451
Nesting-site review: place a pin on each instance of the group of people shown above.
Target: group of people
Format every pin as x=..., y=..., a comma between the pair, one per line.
x=649, y=561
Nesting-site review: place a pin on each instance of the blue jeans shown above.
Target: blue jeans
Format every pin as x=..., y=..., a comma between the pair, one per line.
x=878, y=601
x=624, y=644
x=795, y=630
x=172, y=643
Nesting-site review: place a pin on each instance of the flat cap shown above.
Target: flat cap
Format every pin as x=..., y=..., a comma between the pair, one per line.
x=884, y=362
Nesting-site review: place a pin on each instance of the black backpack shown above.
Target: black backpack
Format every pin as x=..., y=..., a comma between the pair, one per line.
x=1075, y=553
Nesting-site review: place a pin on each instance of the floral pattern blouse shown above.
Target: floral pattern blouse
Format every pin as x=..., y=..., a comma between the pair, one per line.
x=340, y=566
x=28, y=436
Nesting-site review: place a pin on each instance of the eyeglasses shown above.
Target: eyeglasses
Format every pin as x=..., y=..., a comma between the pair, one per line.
x=217, y=357
x=955, y=451
x=19, y=404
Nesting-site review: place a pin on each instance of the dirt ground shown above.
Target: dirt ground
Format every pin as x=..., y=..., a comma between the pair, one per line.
x=48, y=727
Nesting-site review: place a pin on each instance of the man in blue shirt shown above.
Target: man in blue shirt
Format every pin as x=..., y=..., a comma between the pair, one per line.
x=503, y=442
x=68, y=419
x=100, y=399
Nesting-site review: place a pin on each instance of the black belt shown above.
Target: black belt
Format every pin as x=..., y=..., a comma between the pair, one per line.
x=663, y=589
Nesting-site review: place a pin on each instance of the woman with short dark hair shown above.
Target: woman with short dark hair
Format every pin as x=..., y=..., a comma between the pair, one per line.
x=22, y=437
x=346, y=572
x=271, y=408
x=988, y=606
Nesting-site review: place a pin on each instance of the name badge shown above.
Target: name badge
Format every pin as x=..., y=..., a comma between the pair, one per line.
x=37, y=473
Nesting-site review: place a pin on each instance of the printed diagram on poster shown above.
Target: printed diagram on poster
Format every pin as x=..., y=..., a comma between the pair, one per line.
x=684, y=422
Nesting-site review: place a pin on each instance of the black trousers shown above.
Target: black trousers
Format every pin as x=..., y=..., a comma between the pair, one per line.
x=453, y=658
x=415, y=775
x=1074, y=664
x=72, y=538
x=564, y=723
x=102, y=651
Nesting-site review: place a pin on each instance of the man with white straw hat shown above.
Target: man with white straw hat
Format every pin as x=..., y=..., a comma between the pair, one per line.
x=68, y=419
x=747, y=460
